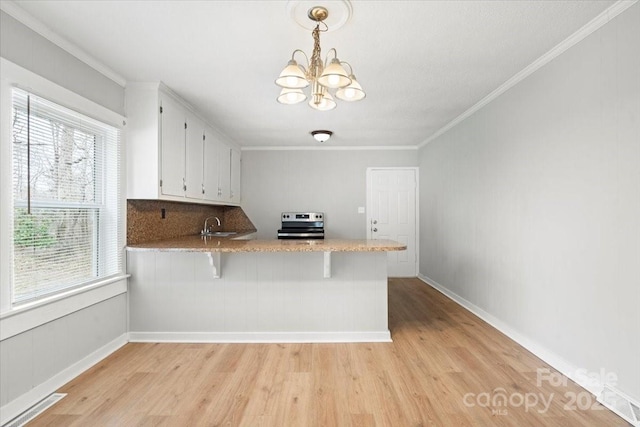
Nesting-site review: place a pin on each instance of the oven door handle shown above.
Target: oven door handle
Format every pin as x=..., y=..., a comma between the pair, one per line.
x=300, y=234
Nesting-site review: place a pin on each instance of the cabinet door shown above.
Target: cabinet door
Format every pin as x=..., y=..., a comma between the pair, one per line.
x=224, y=173
x=194, y=172
x=210, y=160
x=172, y=147
x=236, y=163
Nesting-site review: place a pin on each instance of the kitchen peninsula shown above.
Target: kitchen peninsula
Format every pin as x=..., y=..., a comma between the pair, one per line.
x=209, y=289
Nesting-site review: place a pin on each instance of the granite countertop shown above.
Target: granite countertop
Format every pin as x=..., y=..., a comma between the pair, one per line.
x=228, y=244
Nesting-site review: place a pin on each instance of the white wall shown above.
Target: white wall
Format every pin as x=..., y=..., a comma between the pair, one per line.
x=530, y=208
x=46, y=355
x=329, y=181
x=45, y=346
x=26, y=48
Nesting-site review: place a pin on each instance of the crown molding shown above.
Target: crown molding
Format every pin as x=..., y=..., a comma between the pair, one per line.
x=9, y=7
x=12, y=9
x=589, y=28
x=332, y=148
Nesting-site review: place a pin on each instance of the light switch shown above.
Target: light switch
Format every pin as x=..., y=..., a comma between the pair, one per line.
x=361, y=209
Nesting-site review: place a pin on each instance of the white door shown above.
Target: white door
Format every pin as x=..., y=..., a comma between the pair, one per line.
x=392, y=214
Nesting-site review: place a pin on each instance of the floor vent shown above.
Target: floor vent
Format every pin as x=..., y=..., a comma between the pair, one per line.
x=35, y=410
x=621, y=405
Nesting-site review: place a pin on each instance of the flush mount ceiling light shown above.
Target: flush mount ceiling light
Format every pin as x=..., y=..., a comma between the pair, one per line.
x=321, y=135
x=321, y=76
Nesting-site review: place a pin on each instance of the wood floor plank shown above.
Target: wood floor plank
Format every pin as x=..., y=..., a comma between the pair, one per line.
x=329, y=402
x=442, y=363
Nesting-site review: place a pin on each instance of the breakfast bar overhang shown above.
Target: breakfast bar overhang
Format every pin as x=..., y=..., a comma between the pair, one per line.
x=195, y=289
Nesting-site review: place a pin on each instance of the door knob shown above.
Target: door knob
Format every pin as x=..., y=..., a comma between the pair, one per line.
x=374, y=230
x=375, y=222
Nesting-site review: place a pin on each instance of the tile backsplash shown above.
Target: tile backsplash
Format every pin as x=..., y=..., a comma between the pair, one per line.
x=145, y=222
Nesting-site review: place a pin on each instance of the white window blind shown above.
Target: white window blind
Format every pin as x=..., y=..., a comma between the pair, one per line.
x=66, y=199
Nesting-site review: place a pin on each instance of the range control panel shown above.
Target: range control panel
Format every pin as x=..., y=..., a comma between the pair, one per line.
x=302, y=216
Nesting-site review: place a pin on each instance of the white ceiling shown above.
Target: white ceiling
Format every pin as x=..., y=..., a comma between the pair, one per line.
x=421, y=63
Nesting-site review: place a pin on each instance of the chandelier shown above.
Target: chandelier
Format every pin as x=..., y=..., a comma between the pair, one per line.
x=321, y=78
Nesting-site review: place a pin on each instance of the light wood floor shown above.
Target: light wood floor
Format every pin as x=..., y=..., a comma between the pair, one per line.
x=440, y=354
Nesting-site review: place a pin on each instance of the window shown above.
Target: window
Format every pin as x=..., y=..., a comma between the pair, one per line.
x=66, y=199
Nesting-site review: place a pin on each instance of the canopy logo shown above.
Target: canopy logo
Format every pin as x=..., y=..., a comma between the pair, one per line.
x=499, y=400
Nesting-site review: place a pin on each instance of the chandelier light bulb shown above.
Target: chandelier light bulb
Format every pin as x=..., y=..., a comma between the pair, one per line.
x=353, y=92
x=334, y=75
x=326, y=103
x=292, y=77
x=291, y=96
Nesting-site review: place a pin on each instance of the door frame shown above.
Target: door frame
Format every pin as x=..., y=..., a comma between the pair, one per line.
x=416, y=169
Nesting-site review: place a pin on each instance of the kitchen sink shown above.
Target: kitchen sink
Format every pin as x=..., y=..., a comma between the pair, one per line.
x=219, y=233
x=249, y=236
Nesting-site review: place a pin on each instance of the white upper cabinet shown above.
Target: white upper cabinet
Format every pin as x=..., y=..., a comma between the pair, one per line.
x=142, y=141
x=236, y=166
x=194, y=169
x=221, y=170
x=172, y=147
x=172, y=154
x=224, y=172
x=210, y=162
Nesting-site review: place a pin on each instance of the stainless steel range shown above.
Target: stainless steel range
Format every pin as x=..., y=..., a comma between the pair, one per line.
x=302, y=225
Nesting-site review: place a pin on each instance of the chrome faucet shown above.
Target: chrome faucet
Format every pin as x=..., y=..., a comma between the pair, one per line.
x=206, y=227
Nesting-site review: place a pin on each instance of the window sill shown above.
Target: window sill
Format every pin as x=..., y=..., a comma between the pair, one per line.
x=34, y=314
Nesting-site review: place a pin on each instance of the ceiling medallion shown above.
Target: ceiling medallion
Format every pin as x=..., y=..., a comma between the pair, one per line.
x=341, y=10
x=321, y=76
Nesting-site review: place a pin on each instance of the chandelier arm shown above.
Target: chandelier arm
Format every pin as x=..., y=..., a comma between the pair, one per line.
x=335, y=55
x=305, y=56
x=350, y=68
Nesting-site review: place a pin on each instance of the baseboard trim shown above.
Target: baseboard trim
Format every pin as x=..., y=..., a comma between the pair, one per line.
x=569, y=370
x=36, y=394
x=260, y=337
x=557, y=362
